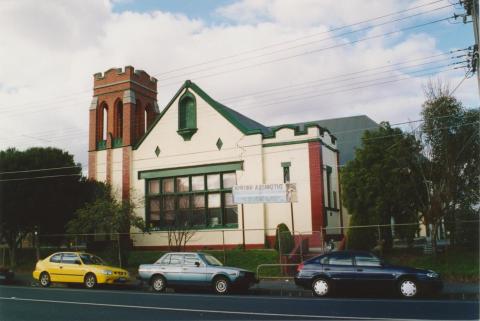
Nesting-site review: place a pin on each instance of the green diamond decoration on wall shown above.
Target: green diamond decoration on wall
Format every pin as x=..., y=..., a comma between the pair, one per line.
x=219, y=143
x=157, y=151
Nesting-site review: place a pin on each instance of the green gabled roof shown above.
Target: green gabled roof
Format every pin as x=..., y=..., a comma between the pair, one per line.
x=246, y=125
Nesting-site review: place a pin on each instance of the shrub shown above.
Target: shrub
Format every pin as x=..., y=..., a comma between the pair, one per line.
x=284, y=239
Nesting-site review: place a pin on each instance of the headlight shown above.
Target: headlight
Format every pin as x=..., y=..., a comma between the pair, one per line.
x=432, y=274
x=107, y=272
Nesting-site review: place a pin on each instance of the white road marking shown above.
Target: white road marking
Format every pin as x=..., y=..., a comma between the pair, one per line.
x=205, y=311
x=250, y=297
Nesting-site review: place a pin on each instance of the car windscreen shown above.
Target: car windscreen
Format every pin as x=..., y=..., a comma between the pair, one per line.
x=211, y=260
x=90, y=259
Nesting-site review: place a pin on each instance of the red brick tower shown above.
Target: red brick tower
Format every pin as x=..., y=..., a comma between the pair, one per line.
x=124, y=105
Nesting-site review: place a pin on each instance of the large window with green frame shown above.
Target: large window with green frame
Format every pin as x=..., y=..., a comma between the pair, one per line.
x=195, y=201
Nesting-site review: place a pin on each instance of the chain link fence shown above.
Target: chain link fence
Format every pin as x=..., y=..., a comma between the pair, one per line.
x=278, y=252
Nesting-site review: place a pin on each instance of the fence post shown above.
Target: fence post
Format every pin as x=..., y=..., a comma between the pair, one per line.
x=119, y=251
x=378, y=230
x=37, y=246
x=224, y=252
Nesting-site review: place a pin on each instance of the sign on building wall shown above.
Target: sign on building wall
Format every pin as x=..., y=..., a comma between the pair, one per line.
x=264, y=193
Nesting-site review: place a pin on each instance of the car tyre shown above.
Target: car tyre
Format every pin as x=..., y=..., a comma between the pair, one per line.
x=408, y=288
x=90, y=281
x=159, y=283
x=44, y=279
x=221, y=285
x=321, y=287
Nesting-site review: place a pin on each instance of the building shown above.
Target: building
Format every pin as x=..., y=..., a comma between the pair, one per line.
x=184, y=161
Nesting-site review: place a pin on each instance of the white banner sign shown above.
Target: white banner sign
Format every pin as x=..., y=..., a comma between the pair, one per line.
x=264, y=193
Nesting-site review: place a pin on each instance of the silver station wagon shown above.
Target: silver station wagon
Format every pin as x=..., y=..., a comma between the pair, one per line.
x=194, y=270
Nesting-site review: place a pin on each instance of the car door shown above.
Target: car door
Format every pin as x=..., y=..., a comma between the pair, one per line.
x=71, y=270
x=371, y=272
x=339, y=267
x=54, y=269
x=193, y=270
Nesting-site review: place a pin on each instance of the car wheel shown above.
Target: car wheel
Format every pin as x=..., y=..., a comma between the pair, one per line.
x=90, y=281
x=44, y=279
x=321, y=287
x=408, y=288
x=221, y=285
x=158, y=283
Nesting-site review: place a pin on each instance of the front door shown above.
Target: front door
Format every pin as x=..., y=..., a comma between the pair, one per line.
x=341, y=270
x=193, y=270
x=72, y=272
x=371, y=273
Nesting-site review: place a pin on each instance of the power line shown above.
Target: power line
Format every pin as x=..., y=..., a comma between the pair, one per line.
x=316, y=50
x=298, y=39
x=40, y=169
x=262, y=48
x=301, y=97
x=39, y=177
x=297, y=46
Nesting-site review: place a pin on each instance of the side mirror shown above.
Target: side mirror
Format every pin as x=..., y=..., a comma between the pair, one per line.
x=197, y=264
x=78, y=262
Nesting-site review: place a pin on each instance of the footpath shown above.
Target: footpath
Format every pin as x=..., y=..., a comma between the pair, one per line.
x=286, y=287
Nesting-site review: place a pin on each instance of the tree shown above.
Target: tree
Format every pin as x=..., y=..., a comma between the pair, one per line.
x=378, y=186
x=449, y=161
x=109, y=217
x=40, y=189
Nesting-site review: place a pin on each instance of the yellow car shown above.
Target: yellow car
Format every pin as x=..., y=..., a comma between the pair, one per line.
x=77, y=267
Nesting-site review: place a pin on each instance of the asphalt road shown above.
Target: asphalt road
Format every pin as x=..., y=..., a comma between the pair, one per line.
x=31, y=303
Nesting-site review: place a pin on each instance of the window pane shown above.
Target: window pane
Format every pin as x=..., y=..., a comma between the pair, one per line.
x=214, y=200
x=169, y=218
x=183, y=184
x=198, y=217
x=190, y=260
x=213, y=181
x=69, y=258
x=169, y=203
x=231, y=215
x=184, y=202
x=229, y=180
x=199, y=201
x=56, y=258
x=198, y=183
x=153, y=187
x=155, y=210
x=164, y=259
x=340, y=260
x=176, y=259
x=214, y=217
x=167, y=185
x=367, y=261
x=229, y=200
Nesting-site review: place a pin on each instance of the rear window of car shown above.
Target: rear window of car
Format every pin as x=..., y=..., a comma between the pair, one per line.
x=176, y=259
x=56, y=258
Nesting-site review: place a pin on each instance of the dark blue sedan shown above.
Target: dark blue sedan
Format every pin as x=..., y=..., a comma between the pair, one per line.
x=364, y=271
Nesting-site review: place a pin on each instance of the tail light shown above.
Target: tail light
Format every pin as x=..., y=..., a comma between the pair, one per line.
x=300, y=267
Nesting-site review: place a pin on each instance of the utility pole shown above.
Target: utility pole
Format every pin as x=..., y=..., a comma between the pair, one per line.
x=471, y=8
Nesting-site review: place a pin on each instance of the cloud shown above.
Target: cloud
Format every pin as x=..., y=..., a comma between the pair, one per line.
x=47, y=63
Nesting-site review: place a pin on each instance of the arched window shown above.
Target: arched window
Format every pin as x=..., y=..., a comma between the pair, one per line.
x=187, y=116
x=145, y=118
x=104, y=122
x=119, y=120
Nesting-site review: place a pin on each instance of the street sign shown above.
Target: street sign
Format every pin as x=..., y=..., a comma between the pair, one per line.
x=264, y=193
